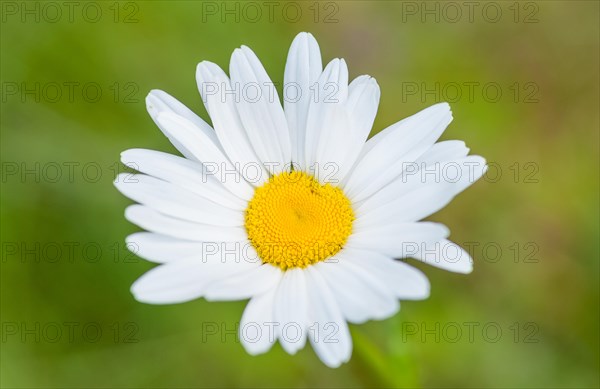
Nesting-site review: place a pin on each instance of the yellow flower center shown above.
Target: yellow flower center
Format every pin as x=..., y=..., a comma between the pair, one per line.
x=294, y=221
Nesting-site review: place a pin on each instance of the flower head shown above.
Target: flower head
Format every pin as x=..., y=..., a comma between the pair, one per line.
x=290, y=206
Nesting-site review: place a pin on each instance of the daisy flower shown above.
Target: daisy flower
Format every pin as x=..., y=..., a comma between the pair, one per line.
x=290, y=206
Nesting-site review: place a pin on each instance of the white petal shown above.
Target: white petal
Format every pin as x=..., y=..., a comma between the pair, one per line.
x=206, y=151
x=156, y=222
x=344, y=130
x=360, y=295
x=257, y=326
x=260, y=110
x=182, y=280
x=443, y=254
x=451, y=176
x=158, y=101
x=420, y=196
x=328, y=331
x=333, y=145
x=363, y=101
x=185, y=173
x=406, y=282
x=331, y=93
x=444, y=151
x=411, y=207
x=385, y=156
x=170, y=200
x=219, y=99
x=175, y=282
x=161, y=248
x=393, y=239
x=362, y=104
x=291, y=310
x=302, y=70
x=244, y=285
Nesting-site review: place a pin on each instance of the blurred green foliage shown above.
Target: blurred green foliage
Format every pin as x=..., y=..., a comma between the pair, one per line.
x=544, y=59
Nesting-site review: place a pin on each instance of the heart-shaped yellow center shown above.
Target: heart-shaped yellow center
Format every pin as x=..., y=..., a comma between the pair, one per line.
x=294, y=221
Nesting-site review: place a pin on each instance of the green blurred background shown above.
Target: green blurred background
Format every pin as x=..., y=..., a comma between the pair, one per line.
x=528, y=316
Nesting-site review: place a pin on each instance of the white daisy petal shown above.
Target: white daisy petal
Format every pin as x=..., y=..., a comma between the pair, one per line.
x=388, y=152
x=331, y=93
x=406, y=282
x=332, y=150
x=182, y=280
x=302, y=70
x=422, y=194
x=344, y=130
x=206, y=151
x=443, y=254
x=170, y=200
x=363, y=101
x=443, y=151
x=175, y=282
x=360, y=295
x=158, y=101
x=260, y=110
x=328, y=331
x=184, y=173
x=291, y=310
x=244, y=285
x=413, y=206
x=257, y=326
x=159, y=223
x=393, y=238
x=362, y=104
x=161, y=248
x=451, y=177
x=219, y=99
